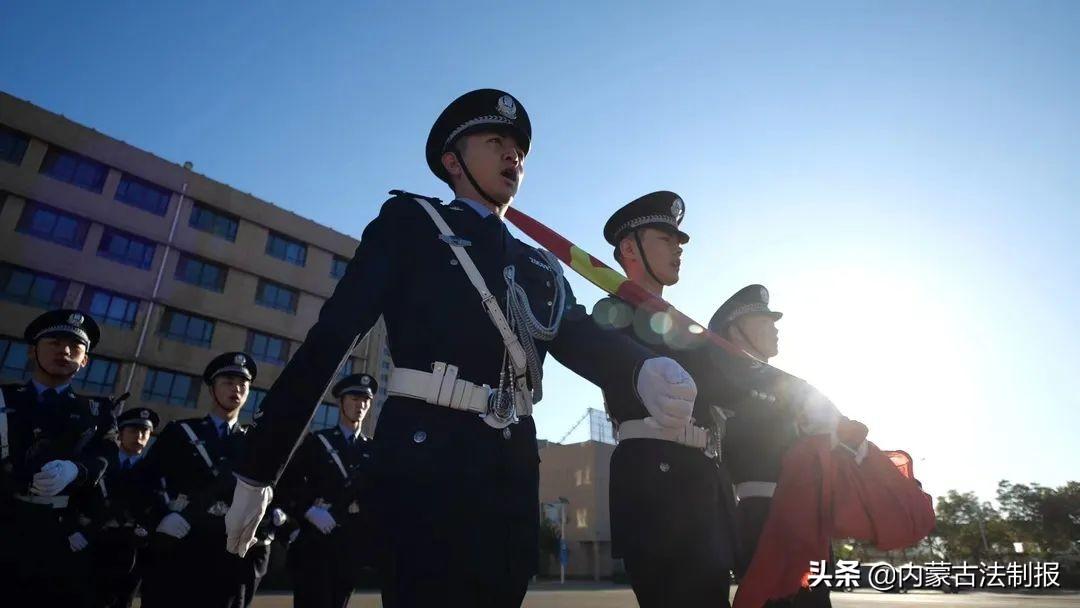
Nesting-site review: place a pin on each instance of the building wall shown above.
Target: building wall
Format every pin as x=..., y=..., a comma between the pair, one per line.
x=578, y=472
x=233, y=309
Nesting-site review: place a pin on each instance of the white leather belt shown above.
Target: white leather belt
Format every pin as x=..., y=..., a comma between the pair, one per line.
x=755, y=489
x=56, y=502
x=689, y=435
x=441, y=386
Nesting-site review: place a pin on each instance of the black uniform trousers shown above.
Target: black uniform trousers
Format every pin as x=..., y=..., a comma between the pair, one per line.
x=670, y=522
x=117, y=568
x=324, y=568
x=38, y=566
x=198, y=571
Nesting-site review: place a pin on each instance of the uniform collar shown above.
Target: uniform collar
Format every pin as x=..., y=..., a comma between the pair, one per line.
x=218, y=421
x=479, y=208
x=347, y=432
x=41, y=388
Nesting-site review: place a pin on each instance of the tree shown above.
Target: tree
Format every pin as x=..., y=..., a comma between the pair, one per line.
x=970, y=530
x=1047, y=517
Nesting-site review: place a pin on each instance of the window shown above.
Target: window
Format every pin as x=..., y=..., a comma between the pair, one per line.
x=582, y=517
x=14, y=360
x=284, y=248
x=126, y=248
x=98, y=378
x=252, y=405
x=265, y=347
x=337, y=267
x=203, y=273
x=110, y=308
x=326, y=416
x=12, y=145
x=74, y=169
x=215, y=222
x=171, y=388
x=275, y=295
x=53, y=225
x=143, y=194
x=186, y=327
x=31, y=288
x=344, y=370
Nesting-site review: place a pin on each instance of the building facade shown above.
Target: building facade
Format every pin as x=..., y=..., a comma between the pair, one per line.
x=176, y=267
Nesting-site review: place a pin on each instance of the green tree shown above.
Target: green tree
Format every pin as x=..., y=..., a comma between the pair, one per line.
x=970, y=530
x=1049, y=518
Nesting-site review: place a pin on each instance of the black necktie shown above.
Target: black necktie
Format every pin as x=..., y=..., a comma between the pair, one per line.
x=126, y=465
x=49, y=395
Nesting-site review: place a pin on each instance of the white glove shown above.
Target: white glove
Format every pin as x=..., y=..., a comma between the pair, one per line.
x=321, y=519
x=667, y=391
x=174, y=525
x=817, y=415
x=53, y=477
x=248, y=507
x=78, y=542
x=278, y=517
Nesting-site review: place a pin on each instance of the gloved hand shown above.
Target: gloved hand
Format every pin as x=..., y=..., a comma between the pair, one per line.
x=321, y=519
x=78, y=542
x=278, y=517
x=815, y=414
x=53, y=477
x=667, y=392
x=248, y=507
x=174, y=525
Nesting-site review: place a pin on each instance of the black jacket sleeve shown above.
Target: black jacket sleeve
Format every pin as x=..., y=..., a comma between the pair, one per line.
x=353, y=308
x=605, y=358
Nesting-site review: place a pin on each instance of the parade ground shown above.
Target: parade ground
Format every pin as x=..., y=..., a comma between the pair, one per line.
x=601, y=595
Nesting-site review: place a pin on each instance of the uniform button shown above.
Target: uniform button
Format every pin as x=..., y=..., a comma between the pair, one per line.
x=506, y=433
x=547, y=283
x=549, y=302
x=664, y=467
x=453, y=262
x=419, y=437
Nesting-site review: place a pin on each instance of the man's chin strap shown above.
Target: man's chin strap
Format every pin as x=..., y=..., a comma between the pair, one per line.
x=757, y=350
x=645, y=258
x=476, y=186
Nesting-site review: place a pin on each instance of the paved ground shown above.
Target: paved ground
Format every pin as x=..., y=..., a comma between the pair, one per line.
x=581, y=595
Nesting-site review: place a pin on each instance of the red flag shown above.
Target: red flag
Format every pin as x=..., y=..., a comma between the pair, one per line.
x=822, y=494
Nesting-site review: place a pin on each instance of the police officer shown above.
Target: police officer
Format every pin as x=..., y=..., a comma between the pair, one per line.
x=192, y=463
x=327, y=486
x=760, y=433
x=470, y=312
x=121, y=535
x=671, y=505
x=52, y=443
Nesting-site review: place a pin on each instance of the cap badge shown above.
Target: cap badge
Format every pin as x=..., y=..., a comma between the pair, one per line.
x=240, y=360
x=507, y=107
x=145, y=414
x=764, y=295
x=75, y=319
x=365, y=380
x=677, y=209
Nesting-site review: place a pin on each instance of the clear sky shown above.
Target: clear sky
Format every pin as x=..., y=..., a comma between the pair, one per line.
x=903, y=176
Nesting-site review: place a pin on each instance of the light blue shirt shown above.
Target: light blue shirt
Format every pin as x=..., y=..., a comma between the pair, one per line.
x=348, y=432
x=219, y=421
x=41, y=388
x=132, y=458
x=477, y=207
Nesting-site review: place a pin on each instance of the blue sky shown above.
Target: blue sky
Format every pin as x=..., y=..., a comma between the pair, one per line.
x=902, y=175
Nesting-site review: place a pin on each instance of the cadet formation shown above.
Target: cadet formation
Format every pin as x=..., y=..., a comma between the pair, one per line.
x=442, y=503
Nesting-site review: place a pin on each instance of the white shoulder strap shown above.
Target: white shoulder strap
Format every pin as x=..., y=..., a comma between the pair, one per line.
x=199, y=446
x=333, y=454
x=3, y=427
x=491, y=305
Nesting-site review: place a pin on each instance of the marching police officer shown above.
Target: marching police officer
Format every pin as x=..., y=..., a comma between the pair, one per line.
x=51, y=445
x=117, y=547
x=671, y=505
x=327, y=486
x=760, y=433
x=192, y=463
x=470, y=312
